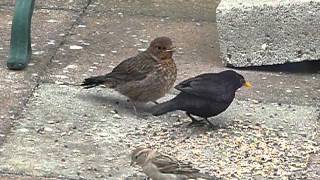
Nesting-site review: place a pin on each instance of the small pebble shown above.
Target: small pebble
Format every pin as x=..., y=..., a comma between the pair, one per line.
x=255, y=101
x=52, y=21
x=102, y=55
x=116, y=116
x=48, y=129
x=103, y=120
x=23, y=130
x=113, y=112
x=143, y=40
x=142, y=49
x=75, y=47
x=264, y=46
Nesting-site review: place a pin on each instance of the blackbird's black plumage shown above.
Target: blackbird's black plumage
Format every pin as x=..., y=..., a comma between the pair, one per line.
x=206, y=95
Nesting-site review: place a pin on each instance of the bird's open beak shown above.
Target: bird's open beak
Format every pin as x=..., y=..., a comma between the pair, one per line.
x=172, y=49
x=247, y=85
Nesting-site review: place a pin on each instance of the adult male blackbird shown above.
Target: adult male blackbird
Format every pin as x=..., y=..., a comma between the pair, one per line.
x=205, y=95
x=159, y=166
x=145, y=77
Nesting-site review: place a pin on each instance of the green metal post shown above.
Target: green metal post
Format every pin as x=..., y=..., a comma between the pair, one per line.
x=20, y=45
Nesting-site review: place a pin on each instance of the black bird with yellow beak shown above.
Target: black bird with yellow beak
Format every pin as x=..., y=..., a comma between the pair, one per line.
x=206, y=95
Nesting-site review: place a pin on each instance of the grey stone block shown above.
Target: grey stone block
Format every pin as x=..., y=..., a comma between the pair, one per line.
x=266, y=33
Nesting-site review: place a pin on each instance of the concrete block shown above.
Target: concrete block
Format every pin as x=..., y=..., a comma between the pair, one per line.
x=255, y=33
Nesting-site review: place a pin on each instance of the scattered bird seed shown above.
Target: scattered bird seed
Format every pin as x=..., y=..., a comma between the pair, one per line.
x=52, y=21
x=117, y=116
x=289, y=91
x=142, y=49
x=75, y=47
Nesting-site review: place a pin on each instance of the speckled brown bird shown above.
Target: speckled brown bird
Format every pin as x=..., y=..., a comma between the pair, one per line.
x=205, y=95
x=159, y=166
x=145, y=77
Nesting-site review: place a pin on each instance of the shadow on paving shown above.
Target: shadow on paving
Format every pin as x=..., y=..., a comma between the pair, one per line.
x=297, y=67
x=121, y=104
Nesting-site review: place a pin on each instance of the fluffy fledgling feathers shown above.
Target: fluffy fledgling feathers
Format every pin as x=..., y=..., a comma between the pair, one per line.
x=145, y=77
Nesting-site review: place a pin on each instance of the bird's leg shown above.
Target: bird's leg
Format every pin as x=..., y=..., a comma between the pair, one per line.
x=210, y=123
x=139, y=115
x=133, y=106
x=194, y=120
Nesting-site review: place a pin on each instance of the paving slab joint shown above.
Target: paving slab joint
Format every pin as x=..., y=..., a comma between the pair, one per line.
x=69, y=30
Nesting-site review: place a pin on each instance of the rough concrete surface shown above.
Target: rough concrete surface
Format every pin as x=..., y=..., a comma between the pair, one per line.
x=52, y=138
x=61, y=131
x=195, y=10
x=75, y=5
x=269, y=32
x=16, y=86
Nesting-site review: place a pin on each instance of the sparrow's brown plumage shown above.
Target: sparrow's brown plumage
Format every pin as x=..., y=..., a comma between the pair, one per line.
x=145, y=77
x=159, y=166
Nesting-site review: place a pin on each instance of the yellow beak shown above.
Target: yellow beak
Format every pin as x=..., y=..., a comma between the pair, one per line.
x=247, y=85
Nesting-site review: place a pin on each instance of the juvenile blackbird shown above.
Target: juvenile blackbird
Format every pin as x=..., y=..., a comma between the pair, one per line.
x=205, y=95
x=159, y=166
x=145, y=77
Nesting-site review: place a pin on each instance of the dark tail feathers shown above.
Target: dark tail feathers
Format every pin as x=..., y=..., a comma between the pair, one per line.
x=93, y=81
x=164, y=108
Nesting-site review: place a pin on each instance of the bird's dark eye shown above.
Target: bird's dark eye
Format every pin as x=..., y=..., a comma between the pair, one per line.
x=136, y=157
x=159, y=48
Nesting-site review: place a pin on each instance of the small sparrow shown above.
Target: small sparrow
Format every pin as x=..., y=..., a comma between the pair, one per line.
x=159, y=166
x=206, y=95
x=145, y=77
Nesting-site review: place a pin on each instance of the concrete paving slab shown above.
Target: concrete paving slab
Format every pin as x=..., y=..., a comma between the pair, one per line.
x=256, y=33
x=67, y=132
x=93, y=141
x=76, y=5
x=196, y=10
x=107, y=40
x=21, y=177
x=16, y=86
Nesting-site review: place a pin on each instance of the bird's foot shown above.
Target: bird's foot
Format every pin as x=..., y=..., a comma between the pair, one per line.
x=197, y=123
x=211, y=125
x=142, y=115
x=137, y=112
x=133, y=104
